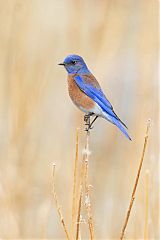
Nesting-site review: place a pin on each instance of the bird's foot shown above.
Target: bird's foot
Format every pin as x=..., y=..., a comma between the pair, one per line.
x=87, y=122
x=88, y=127
x=86, y=118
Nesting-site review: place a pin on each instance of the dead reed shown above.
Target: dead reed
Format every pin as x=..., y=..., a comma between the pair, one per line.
x=81, y=194
x=84, y=192
x=146, y=205
x=136, y=182
x=87, y=188
x=75, y=178
x=58, y=207
x=79, y=215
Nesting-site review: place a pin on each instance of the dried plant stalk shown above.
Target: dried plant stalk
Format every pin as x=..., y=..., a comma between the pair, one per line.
x=87, y=188
x=59, y=208
x=79, y=215
x=136, y=182
x=74, y=199
x=81, y=183
x=84, y=190
x=146, y=206
x=80, y=188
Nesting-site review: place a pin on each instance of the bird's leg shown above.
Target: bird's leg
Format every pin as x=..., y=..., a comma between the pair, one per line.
x=93, y=122
x=86, y=117
x=87, y=121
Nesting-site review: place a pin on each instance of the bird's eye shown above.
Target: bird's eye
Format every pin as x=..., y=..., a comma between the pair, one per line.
x=74, y=62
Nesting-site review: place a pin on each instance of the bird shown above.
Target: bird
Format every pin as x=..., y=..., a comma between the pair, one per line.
x=87, y=95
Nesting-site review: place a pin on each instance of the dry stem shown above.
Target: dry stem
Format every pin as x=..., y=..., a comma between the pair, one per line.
x=87, y=189
x=74, y=203
x=84, y=189
x=80, y=188
x=136, y=183
x=146, y=209
x=82, y=170
x=58, y=207
x=79, y=214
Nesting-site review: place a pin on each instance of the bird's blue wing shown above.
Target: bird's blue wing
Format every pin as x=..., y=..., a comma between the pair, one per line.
x=97, y=95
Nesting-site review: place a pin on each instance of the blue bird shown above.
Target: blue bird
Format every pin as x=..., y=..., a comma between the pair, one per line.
x=87, y=94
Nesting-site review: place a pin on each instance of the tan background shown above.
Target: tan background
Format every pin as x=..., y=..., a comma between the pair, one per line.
x=118, y=39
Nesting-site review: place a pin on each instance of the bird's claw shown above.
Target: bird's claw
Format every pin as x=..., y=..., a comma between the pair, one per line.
x=87, y=122
x=86, y=118
x=89, y=127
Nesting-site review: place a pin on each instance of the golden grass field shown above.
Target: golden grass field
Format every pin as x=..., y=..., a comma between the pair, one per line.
x=119, y=41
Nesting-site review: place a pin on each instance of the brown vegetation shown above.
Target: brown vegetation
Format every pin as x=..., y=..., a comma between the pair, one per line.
x=118, y=40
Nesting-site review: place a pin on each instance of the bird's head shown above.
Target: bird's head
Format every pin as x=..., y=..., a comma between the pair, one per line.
x=74, y=64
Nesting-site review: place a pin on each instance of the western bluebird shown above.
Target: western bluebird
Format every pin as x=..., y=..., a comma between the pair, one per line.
x=87, y=94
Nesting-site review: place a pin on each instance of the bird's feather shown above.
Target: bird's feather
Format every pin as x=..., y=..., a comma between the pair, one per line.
x=97, y=95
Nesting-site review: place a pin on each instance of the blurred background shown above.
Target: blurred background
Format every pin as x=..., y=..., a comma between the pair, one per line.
x=118, y=39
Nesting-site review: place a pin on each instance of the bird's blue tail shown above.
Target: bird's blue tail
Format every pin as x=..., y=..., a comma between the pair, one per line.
x=118, y=123
x=121, y=127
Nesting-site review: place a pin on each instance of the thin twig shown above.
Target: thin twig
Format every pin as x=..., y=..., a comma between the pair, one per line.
x=146, y=206
x=136, y=182
x=58, y=207
x=79, y=214
x=75, y=184
x=81, y=189
x=87, y=189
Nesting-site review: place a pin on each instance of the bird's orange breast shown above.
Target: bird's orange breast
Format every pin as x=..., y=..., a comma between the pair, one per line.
x=78, y=96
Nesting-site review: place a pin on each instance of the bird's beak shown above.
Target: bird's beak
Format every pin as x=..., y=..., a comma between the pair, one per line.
x=61, y=64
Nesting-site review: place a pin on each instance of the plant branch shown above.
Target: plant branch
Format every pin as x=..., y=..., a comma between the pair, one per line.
x=74, y=203
x=136, y=182
x=87, y=188
x=58, y=207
